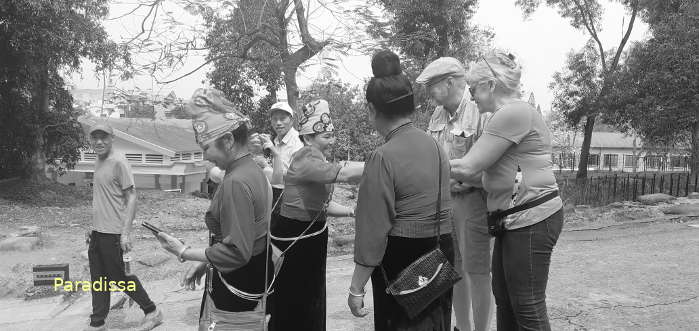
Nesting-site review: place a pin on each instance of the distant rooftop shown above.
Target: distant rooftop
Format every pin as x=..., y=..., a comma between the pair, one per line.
x=172, y=134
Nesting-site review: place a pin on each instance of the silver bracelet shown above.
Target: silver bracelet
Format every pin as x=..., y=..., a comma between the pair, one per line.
x=356, y=295
x=179, y=256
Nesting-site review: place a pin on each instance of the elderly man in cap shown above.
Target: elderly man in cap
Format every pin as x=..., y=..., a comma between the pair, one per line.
x=114, y=209
x=456, y=124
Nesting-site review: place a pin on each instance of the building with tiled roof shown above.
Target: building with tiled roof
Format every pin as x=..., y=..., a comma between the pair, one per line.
x=162, y=154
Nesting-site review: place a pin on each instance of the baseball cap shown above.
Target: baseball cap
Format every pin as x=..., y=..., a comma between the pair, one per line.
x=102, y=127
x=283, y=106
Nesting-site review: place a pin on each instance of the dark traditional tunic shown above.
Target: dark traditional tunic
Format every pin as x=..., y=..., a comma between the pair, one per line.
x=237, y=220
x=395, y=223
x=299, y=301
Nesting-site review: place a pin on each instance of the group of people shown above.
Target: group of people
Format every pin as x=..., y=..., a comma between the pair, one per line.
x=484, y=162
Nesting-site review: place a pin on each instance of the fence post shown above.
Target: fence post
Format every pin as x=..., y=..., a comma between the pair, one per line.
x=635, y=186
x=652, y=187
x=643, y=185
x=628, y=186
x=672, y=183
x=599, y=192
x=686, y=185
x=614, y=189
x=662, y=184
x=696, y=176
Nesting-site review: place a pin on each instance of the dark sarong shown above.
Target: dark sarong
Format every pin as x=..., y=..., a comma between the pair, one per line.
x=298, y=302
x=276, y=194
x=388, y=314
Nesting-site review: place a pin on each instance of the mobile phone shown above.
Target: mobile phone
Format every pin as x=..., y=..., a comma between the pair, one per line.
x=151, y=227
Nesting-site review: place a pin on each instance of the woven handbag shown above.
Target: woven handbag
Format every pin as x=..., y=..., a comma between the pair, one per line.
x=429, y=277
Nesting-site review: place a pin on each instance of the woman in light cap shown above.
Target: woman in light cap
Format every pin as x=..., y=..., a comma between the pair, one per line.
x=301, y=231
x=525, y=216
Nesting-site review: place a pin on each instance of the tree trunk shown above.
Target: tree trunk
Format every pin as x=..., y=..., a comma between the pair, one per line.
x=695, y=147
x=585, y=149
x=442, y=31
x=36, y=169
x=292, y=89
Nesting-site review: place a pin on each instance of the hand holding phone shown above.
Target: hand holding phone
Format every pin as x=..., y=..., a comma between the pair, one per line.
x=151, y=227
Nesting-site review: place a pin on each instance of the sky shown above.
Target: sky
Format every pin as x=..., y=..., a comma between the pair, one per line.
x=541, y=43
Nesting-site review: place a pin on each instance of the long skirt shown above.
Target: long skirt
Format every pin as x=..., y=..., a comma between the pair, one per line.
x=298, y=301
x=248, y=278
x=388, y=314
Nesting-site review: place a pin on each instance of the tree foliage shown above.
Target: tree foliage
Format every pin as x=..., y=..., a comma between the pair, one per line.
x=422, y=31
x=425, y=30
x=576, y=87
x=355, y=135
x=38, y=40
x=586, y=15
x=657, y=90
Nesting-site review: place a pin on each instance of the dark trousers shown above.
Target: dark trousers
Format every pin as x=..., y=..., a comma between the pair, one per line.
x=107, y=264
x=521, y=260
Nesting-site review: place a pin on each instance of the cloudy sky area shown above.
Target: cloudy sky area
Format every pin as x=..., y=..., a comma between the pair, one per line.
x=541, y=42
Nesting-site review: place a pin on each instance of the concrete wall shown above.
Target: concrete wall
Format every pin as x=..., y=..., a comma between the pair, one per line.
x=190, y=183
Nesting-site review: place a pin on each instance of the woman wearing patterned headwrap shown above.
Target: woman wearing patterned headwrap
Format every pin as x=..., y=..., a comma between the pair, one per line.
x=530, y=210
x=398, y=213
x=238, y=216
x=298, y=301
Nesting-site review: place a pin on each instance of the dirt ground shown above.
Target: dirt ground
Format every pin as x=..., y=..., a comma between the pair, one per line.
x=620, y=267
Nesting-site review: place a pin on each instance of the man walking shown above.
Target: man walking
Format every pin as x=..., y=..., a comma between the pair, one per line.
x=114, y=209
x=456, y=124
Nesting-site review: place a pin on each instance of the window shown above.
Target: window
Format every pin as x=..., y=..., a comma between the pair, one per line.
x=134, y=158
x=186, y=156
x=678, y=161
x=89, y=175
x=89, y=157
x=198, y=156
x=593, y=160
x=654, y=162
x=154, y=158
x=177, y=157
x=630, y=161
x=611, y=160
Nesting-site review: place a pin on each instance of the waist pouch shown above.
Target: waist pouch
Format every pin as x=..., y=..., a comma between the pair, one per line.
x=496, y=219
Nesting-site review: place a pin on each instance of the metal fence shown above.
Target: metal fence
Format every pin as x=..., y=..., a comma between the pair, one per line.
x=622, y=162
x=604, y=189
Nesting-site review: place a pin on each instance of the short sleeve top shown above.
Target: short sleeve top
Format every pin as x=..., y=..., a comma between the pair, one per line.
x=307, y=184
x=112, y=176
x=521, y=124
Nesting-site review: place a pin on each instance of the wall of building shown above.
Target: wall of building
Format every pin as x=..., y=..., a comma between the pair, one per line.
x=187, y=183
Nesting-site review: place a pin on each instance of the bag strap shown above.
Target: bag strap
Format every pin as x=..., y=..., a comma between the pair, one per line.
x=437, y=214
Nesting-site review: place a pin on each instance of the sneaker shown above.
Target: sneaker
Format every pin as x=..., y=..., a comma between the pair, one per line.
x=102, y=327
x=151, y=320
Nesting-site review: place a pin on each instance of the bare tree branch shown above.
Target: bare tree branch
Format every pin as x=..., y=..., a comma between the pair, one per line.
x=624, y=40
x=589, y=23
x=143, y=22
